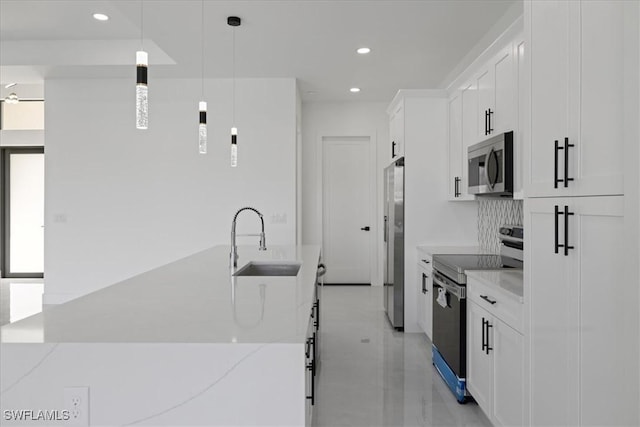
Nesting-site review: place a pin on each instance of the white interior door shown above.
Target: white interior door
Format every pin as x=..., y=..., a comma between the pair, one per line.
x=347, y=220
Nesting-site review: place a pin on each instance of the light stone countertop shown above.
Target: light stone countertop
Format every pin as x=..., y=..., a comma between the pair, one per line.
x=192, y=300
x=507, y=282
x=450, y=250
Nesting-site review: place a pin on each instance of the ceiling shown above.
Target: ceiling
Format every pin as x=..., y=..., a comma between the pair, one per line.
x=415, y=44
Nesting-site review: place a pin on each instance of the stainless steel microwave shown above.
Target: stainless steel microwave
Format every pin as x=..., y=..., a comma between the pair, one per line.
x=491, y=166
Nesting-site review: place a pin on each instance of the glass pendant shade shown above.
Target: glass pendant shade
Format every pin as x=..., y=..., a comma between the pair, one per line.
x=142, y=91
x=234, y=147
x=202, y=128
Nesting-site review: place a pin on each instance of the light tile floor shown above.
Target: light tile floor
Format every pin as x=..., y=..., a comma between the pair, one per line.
x=372, y=375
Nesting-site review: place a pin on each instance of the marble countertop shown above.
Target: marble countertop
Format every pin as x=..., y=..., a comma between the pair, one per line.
x=192, y=300
x=449, y=250
x=507, y=282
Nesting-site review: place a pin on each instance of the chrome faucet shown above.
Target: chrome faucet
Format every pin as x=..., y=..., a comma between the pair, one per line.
x=234, y=249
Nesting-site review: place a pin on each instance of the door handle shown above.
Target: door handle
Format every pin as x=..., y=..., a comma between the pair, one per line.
x=487, y=299
x=393, y=149
x=367, y=228
x=484, y=335
x=489, y=114
x=424, y=283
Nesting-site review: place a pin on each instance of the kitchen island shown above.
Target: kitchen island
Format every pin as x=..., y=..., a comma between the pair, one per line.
x=187, y=343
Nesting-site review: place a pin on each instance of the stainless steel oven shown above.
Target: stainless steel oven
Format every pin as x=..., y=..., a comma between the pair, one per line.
x=449, y=347
x=490, y=170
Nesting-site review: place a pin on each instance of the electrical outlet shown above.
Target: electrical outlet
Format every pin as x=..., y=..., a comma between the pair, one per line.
x=76, y=401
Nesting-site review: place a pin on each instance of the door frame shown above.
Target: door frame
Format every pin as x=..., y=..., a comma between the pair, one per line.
x=5, y=213
x=374, y=244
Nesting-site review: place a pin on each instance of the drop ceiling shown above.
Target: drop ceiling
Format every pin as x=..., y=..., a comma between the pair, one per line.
x=415, y=44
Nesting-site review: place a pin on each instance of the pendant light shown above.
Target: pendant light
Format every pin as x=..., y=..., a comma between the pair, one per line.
x=202, y=105
x=142, y=95
x=234, y=21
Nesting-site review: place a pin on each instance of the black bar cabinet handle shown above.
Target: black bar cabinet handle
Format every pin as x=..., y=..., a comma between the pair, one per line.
x=426, y=261
x=486, y=122
x=566, y=230
x=556, y=215
x=488, y=326
x=487, y=299
x=424, y=283
x=556, y=180
x=393, y=149
x=489, y=128
x=311, y=368
x=566, y=162
x=484, y=335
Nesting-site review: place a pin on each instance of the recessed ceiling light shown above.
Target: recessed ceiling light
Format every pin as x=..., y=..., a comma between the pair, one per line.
x=100, y=17
x=363, y=50
x=355, y=89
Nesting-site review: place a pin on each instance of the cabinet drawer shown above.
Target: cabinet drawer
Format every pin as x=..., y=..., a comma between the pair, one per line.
x=508, y=309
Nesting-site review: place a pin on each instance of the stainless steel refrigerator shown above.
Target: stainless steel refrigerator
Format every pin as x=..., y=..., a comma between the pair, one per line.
x=394, y=243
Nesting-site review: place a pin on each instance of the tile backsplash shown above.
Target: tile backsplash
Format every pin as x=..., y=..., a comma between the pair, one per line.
x=492, y=213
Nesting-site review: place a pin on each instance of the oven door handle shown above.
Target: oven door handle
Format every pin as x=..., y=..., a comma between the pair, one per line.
x=458, y=291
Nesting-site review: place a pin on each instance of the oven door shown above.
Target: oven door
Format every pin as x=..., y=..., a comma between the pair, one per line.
x=450, y=322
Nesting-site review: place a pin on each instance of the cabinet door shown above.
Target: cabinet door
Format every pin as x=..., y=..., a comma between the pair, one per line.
x=397, y=132
x=485, y=87
x=479, y=361
x=598, y=154
x=428, y=304
x=420, y=299
x=508, y=377
x=553, y=35
x=469, y=100
x=608, y=339
x=522, y=76
x=505, y=107
x=553, y=314
x=455, y=147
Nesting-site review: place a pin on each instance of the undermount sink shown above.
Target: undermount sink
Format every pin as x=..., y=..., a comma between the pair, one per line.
x=269, y=268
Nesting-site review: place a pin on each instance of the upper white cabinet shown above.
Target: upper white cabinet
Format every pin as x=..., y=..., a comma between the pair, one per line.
x=457, y=148
x=580, y=59
x=487, y=103
x=396, y=129
x=496, y=84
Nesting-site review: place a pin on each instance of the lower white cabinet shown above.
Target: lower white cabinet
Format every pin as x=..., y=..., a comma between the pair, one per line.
x=583, y=346
x=425, y=295
x=495, y=357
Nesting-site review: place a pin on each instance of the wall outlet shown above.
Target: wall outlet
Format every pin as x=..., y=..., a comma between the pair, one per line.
x=76, y=401
x=279, y=218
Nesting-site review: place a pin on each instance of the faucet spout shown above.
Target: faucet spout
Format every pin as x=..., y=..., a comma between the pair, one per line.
x=234, y=248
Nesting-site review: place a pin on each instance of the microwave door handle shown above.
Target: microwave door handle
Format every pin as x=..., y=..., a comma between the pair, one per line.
x=486, y=169
x=495, y=155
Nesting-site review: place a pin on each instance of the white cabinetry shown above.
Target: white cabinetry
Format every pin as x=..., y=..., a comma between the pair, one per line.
x=579, y=61
x=496, y=83
x=396, y=129
x=581, y=350
x=425, y=294
x=495, y=354
x=583, y=330
x=487, y=104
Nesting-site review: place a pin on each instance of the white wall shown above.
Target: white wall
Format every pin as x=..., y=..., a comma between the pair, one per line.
x=121, y=201
x=340, y=119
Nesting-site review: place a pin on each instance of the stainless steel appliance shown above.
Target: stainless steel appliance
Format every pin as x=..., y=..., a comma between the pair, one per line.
x=449, y=348
x=491, y=166
x=394, y=243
